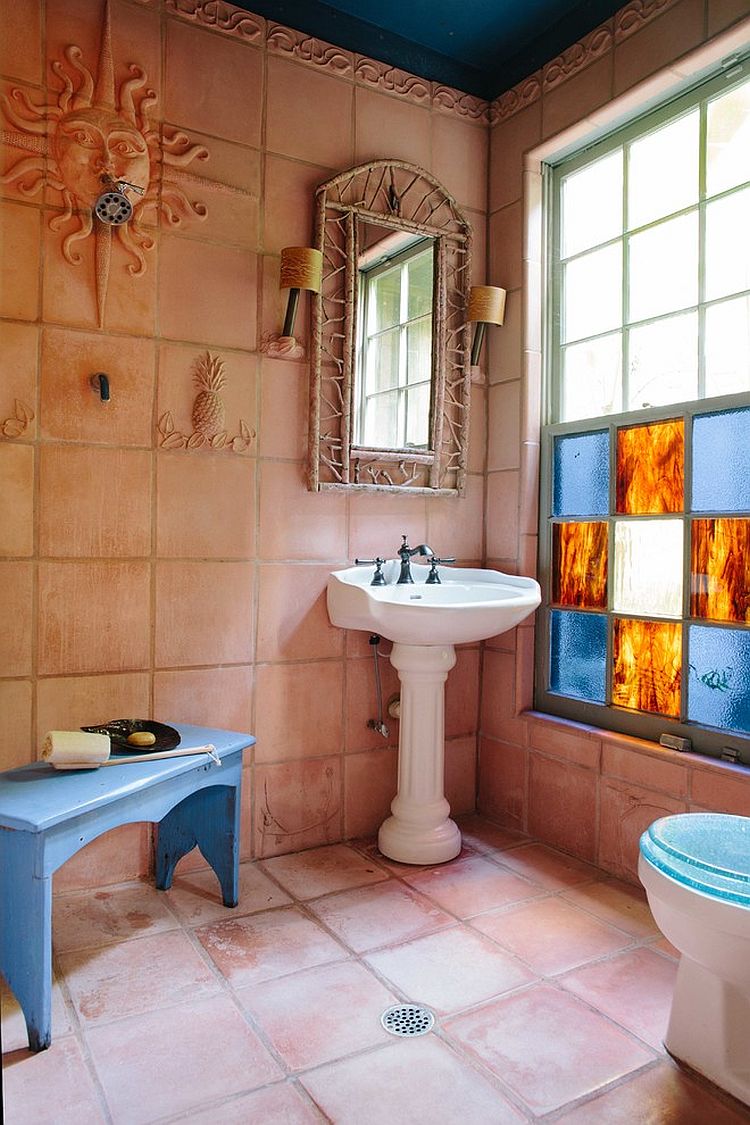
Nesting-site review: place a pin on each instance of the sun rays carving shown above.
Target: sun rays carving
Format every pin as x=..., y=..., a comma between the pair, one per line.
x=94, y=134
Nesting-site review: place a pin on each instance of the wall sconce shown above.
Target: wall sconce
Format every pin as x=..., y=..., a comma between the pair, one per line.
x=301, y=268
x=486, y=306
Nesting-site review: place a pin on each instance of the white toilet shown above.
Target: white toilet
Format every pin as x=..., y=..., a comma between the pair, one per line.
x=696, y=871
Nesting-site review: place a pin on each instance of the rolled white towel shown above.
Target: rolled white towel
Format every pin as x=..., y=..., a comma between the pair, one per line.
x=75, y=749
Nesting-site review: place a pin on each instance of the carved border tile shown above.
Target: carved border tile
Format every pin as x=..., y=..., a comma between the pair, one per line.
x=371, y=72
x=220, y=16
x=464, y=105
x=580, y=55
x=521, y=96
x=635, y=15
x=307, y=49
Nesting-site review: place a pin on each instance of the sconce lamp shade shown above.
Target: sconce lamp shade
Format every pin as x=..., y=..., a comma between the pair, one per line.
x=301, y=268
x=486, y=306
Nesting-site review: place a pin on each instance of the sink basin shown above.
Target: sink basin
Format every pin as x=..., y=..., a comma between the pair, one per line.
x=468, y=605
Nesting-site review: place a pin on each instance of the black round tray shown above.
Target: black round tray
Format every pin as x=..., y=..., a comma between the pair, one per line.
x=119, y=730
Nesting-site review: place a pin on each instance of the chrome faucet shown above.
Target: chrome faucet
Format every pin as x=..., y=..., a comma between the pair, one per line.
x=406, y=553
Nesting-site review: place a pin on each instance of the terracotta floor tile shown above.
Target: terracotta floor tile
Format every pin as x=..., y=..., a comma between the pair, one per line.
x=280, y=1104
x=617, y=903
x=664, y=1095
x=135, y=976
x=321, y=871
x=547, y=1046
x=420, y=1079
x=551, y=935
x=322, y=1014
x=14, y=1034
x=484, y=836
x=381, y=915
x=59, y=1077
x=92, y=918
x=471, y=885
x=551, y=869
x=634, y=989
x=450, y=970
x=176, y=1058
x=666, y=947
x=195, y=896
x=264, y=946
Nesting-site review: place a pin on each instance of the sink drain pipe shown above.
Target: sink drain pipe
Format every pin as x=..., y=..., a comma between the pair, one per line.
x=378, y=724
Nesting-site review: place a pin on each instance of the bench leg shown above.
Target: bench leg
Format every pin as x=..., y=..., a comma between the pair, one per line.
x=26, y=933
x=209, y=819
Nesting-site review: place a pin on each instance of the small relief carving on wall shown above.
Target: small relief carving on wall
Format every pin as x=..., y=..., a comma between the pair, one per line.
x=18, y=423
x=209, y=428
x=96, y=137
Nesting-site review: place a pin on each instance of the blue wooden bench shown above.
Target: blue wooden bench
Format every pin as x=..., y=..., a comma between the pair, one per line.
x=47, y=815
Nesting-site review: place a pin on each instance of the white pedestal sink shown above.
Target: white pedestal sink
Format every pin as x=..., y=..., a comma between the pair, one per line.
x=425, y=622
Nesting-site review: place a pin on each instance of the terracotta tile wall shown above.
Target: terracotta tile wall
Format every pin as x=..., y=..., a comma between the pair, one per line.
x=138, y=579
x=583, y=790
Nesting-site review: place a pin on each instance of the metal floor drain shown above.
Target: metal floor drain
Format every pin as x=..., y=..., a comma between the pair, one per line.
x=407, y=1019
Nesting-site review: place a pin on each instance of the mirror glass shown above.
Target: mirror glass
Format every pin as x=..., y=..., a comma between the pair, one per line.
x=389, y=401
x=393, y=384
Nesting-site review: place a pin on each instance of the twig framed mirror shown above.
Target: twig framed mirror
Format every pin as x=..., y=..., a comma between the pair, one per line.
x=389, y=401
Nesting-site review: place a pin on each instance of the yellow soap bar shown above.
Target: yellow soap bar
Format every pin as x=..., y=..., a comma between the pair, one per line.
x=141, y=738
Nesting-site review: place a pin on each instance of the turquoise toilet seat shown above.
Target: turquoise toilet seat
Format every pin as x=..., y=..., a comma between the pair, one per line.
x=707, y=851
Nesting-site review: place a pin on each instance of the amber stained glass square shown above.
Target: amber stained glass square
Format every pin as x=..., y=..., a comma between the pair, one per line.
x=647, y=665
x=720, y=569
x=579, y=564
x=650, y=468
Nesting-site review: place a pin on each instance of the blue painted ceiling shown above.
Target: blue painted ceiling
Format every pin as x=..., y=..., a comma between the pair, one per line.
x=483, y=47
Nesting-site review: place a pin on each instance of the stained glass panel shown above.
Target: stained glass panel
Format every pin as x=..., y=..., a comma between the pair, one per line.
x=578, y=650
x=648, y=567
x=579, y=565
x=646, y=665
x=719, y=680
x=581, y=480
x=650, y=475
x=721, y=481
x=720, y=570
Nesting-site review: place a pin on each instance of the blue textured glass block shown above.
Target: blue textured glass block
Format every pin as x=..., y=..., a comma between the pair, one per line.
x=719, y=679
x=582, y=475
x=721, y=482
x=578, y=653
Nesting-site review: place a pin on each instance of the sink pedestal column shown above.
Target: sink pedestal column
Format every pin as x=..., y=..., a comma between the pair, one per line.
x=420, y=831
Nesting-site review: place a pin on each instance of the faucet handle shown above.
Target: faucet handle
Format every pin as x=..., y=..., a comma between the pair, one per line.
x=433, y=578
x=378, y=578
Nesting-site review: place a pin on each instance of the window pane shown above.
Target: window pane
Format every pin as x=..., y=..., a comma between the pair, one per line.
x=592, y=378
x=646, y=665
x=381, y=420
x=719, y=683
x=578, y=649
x=650, y=468
x=727, y=347
x=720, y=570
x=382, y=362
x=664, y=268
x=648, y=567
x=592, y=293
x=721, y=481
x=663, y=171
x=728, y=155
x=420, y=285
x=579, y=564
x=663, y=362
x=418, y=415
x=592, y=204
x=419, y=351
x=385, y=300
x=727, y=241
x=581, y=486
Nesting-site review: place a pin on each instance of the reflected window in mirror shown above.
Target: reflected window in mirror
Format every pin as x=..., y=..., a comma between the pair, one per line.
x=394, y=356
